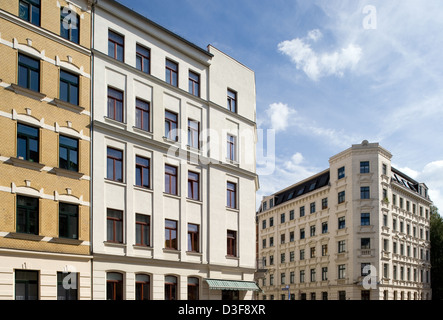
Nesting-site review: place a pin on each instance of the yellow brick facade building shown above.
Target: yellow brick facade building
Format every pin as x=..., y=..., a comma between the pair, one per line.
x=45, y=99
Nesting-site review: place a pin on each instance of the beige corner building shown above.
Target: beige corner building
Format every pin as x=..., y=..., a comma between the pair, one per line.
x=45, y=150
x=358, y=230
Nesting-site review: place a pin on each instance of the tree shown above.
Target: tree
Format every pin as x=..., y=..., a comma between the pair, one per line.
x=436, y=235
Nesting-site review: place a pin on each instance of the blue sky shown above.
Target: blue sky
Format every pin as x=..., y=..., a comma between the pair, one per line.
x=330, y=74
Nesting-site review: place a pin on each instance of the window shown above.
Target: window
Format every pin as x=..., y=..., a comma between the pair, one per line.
x=341, y=172
x=114, y=286
x=282, y=218
x=193, y=288
x=264, y=224
x=313, y=277
x=291, y=236
x=302, y=233
x=68, y=153
x=271, y=221
x=171, y=179
x=193, y=237
x=365, y=243
x=231, y=154
x=312, y=252
x=282, y=257
x=143, y=59
x=68, y=220
x=26, y=285
x=27, y=215
x=142, y=172
x=115, y=104
x=142, y=230
x=324, y=203
x=302, y=211
x=341, y=246
x=114, y=164
x=142, y=287
x=67, y=285
x=193, y=185
x=364, y=167
x=341, y=222
x=231, y=195
x=291, y=215
x=232, y=100
x=28, y=72
x=116, y=45
x=142, y=115
x=341, y=271
x=324, y=250
x=282, y=238
x=29, y=10
x=194, y=83
x=171, y=234
x=302, y=254
x=69, y=25
x=193, y=134
x=312, y=232
x=365, y=219
x=364, y=192
x=302, y=276
x=28, y=143
x=341, y=197
x=114, y=225
x=69, y=86
x=171, y=125
x=231, y=243
x=324, y=227
x=312, y=205
x=172, y=73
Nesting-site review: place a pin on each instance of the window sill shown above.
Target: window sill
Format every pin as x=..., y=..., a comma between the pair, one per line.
x=232, y=257
x=19, y=162
x=66, y=105
x=170, y=195
x=114, y=244
x=144, y=189
x=171, y=141
x=24, y=236
x=27, y=92
x=74, y=242
x=142, y=247
x=118, y=183
x=116, y=123
x=194, y=253
x=171, y=250
x=147, y=133
x=233, y=209
x=67, y=173
x=233, y=162
x=196, y=201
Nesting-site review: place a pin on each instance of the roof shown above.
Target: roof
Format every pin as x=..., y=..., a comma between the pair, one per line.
x=301, y=189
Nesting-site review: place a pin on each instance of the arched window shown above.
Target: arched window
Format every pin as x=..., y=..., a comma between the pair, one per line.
x=193, y=288
x=142, y=287
x=170, y=288
x=114, y=286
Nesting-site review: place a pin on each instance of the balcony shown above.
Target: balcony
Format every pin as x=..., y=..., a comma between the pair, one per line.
x=366, y=253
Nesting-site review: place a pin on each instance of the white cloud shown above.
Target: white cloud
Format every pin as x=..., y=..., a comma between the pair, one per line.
x=317, y=65
x=279, y=114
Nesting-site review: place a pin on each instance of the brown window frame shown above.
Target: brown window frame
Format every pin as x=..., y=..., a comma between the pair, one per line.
x=139, y=109
x=114, y=159
x=192, y=181
x=194, y=287
x=169, y=123
x=231, y=146
x=115, y=100
x=231, y=237
x=169, y=243
x=193, y=238
x=193, y=84
x=143, y=57
x=142, y=167
x=171, y=72
x=114, y=226
x=232, y=100
x=231, y=203
x=171, y=178
x=143, y=225
x=116, y=284
x=116, y=44
x=169, y=287
x=192, y=132
x=143, y=284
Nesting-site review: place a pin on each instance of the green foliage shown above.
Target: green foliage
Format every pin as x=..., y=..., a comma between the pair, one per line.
x=436, y=235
